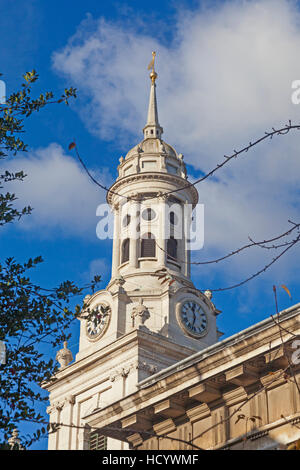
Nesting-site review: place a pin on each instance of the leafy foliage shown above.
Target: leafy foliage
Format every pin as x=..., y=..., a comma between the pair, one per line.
x=29, y=315
x=18, y=107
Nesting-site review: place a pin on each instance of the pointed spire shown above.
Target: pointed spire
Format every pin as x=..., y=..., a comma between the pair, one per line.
x=152, y=128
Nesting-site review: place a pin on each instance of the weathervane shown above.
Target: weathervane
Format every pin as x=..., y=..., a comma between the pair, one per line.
x=153, y=74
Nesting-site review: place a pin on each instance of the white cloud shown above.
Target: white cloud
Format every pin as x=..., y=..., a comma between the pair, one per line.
x=61, y=194
x=99, y=266
x=225, y=79
x=228, y=74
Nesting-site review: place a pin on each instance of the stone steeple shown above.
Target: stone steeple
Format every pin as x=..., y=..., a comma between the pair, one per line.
x=150, y=315
x=152, y=128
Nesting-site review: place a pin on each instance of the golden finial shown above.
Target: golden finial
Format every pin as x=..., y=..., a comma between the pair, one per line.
x=153, y=74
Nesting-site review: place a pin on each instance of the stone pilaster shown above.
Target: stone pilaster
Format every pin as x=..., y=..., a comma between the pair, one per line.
x=116, y=242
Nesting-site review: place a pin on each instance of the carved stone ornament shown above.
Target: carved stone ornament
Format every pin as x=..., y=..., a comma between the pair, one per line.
x=50, y=409
x=258, y=434
x=113, y=375
x=120, y=281
x=133, y=195
x=70, y=399
x=14, y=440
x=128, y=368
x=162, y=148
x=117, y=373
x=162, y=196
x=148, y=178
x=58, y=405
x=208, y=294
x=142, y=365
x=64, y=356
x=139, y=314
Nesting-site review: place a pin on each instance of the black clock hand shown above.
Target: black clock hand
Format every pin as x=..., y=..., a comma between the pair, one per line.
x=194, y=314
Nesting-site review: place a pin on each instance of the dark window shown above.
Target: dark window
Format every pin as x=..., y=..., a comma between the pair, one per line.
x=125, y=250
x=173, y=218
x=148, y=214
x=126, y=220
x=97, y=441
x=148, y=246
x=172, y=248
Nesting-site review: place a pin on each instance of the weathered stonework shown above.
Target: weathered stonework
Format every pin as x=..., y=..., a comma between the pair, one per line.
x=245, y=375
x=144, y=376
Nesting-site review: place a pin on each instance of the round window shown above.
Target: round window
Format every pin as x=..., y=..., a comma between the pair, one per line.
x=148, y=214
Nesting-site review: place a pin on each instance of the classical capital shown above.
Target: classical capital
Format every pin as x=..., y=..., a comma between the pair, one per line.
x=162, y=197
x=70, y=399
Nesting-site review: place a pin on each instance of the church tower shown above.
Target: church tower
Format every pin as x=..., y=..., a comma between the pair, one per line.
x=150, y=315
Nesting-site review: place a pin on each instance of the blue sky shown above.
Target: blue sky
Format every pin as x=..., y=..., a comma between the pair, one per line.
x=225, y=73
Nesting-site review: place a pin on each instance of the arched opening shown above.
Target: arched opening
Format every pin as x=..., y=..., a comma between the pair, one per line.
x=172, y=248
x=173, y=218
x=126, y=220
x=125, y=251
x=148, y=246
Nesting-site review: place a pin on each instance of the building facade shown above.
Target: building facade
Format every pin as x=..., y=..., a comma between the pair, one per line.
x=241, y=393
x=149, y=361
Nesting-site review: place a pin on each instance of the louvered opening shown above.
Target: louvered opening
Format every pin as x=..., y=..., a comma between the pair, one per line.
x=172, y=248
x=148, y=246
x=125, y=251
x=97, y=441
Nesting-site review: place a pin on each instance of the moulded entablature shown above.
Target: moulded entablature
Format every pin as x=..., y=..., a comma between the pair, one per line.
x=152, y=155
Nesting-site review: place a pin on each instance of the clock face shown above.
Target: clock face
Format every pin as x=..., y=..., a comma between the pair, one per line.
x=193, y=318
x=98, y=322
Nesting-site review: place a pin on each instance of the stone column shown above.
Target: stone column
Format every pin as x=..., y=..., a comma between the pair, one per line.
x=54, y=411
x=116, y=242
x=133, y=235
x=118, y=378
x=84, y=437
x=66, y=418
x=220, y=432
x=186, y=257
x=185, y=254
x=161, y=242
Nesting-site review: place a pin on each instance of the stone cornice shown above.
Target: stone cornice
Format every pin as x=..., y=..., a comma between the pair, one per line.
x=128, y=341
x=126, y=369
x=164, y=427
x=130, y=157
x=58, y=405
x=206, y=369
x=198, y=412
x=240, y=339
x=155, y=291
x=263, y=431
x=152, y=176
